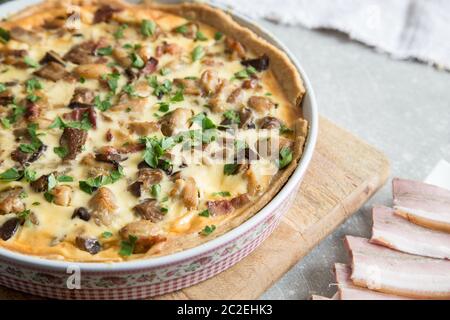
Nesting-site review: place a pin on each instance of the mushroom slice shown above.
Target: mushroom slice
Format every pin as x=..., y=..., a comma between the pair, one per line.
x=104, y=206
x=149, y=210
x=62, y=195
x=82, y=98
x=210, y=81
x=52, y=71
x=91, y=245
x=260, y=104
x=52, y=56
x=187, y=190
x=23, y=35
x=143, y=128
x=73, y=141
x=176, y=120
x=10, y=201
x=147, y=233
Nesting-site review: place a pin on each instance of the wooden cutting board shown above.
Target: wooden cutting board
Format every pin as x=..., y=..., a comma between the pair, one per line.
x=345, y=172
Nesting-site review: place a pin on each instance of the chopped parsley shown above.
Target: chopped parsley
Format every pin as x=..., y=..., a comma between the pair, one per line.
x=232, y=116
x=92, y=184
x=178, y=97
x=183, y=29
x=218, y=36
x=2, y=87
x=285, y=130
x=4, y=35
x=30, y=175
x=103, y=105
x=107, y=235
x=156, y=191
x=113, y=81
x=205, y=122
x=164, y=107
x=155, y=149
x=84, y=124
x=119, y=32
x=35, y=143
x=208, y=230
x=11, y=175
x=160, y=89
x=200, y=36
x=31, y=86
x=106, y=51
x=285, y=158
x=231, y=169
x=197, y=53
x=129, y=90
x=61, y=152
x=30, y=62
x=164, y=71
x=222, y=194
x=246, y=73
x=127, y=247
x=137, y=61
x=148, y=28
x=205, y=214
x=6, y=123
x=65, y=179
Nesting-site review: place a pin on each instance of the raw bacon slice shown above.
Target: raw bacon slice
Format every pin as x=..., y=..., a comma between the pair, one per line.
x=422, y=204
x=397, y=233
x=385, y=270
x=348, y=291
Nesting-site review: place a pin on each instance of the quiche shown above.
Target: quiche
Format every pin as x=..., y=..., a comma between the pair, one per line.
x=131, y=131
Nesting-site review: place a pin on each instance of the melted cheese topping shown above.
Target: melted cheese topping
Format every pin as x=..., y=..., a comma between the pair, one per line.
x=54, y=232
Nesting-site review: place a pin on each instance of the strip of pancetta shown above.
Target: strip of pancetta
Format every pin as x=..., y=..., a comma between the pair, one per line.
x=348, y=291
x=397, y=233
x=385, y=270
x=422, y=204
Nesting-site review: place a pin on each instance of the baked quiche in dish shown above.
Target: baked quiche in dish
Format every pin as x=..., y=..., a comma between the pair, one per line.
x=135, y=131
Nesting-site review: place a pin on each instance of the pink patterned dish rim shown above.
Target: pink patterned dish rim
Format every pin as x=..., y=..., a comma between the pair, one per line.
x=162, y=275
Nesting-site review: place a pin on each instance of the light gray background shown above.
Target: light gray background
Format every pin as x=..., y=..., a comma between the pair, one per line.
x=400, y=107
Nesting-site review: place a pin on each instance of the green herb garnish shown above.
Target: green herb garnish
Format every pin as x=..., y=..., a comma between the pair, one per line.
x=30, y=62
x=119, y=32
x=200, y=36
x=92, y=184
x=230, y=169
x=155, y=191
x=218, y=36
x=11, y=175
x=127, y=247
x=208, y=230
x=232, y=116
x=148, y=28
x=198, y=53
x=222, y=194
x=4, y=35
x=205, y=214
x=107, y=235
x=106, y=51
x=285, y=158
x=246, y=73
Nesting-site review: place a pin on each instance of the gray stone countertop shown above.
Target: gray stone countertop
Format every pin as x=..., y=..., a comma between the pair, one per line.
x=400, y=107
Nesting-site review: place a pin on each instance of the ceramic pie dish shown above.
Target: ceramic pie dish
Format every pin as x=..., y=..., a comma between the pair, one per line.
x=224, y=226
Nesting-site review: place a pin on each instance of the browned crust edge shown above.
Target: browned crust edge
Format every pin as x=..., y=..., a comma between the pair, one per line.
x=281, y=66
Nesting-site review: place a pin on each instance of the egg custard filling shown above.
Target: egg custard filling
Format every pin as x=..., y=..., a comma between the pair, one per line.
x=135, y=131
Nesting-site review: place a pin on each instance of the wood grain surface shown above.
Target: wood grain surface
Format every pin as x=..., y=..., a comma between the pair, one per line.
x=344, y=174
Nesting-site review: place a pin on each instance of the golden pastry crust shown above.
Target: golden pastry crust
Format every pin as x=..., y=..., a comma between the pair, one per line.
x=285, y=78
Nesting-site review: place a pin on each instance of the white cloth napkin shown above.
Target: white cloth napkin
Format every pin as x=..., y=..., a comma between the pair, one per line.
x=404, y=28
